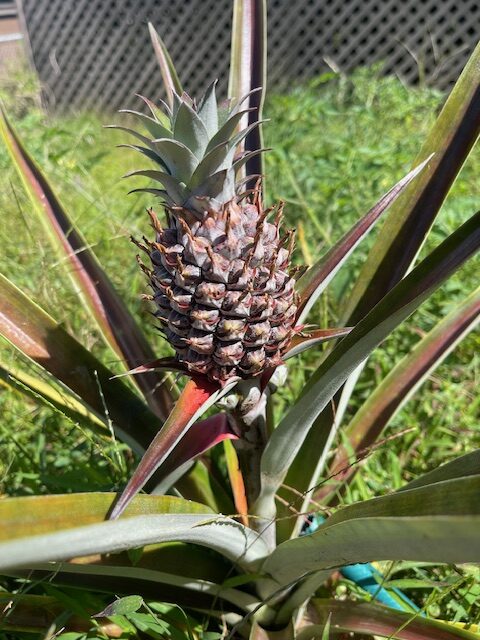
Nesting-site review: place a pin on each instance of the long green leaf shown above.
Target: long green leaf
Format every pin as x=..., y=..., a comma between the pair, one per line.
x=399, y=241
x=396, y=247
x=467, y=465
x=140, y=579
x=248, y=71
x=402, y=381
x=170, y=78
x=52, y=394
x=35, y=515
x=36, y=335
x=236, y=542
x=112, y=317
x=436, y=523
x=373, y=619
x=395, y=307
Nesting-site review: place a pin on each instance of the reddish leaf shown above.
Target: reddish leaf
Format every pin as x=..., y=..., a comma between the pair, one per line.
x=396, y=247
x=108, y=310
x=36, y=334
x=374, y=619
x=248, y=72
x=169, y=74
x=236, y=482
x=200, y=437
x=196, y=397
x=318, y=276
x=303, y=341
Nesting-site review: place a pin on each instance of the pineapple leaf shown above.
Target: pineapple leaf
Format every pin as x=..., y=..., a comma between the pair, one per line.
x=317, y=277
x=50, y=392
x=218, y=159
x=226, y=131
x=155, y=520
x=148, y=580
x=149, y=153
x=218, y=187
x=114, y=320
x=155, y=129
x=132, y=132
x=175, y=188
x=397, y=245
x=436, y=523
x=301, y=342
x=33, y=515
x=163, y=118
x=178, y=158
x=401, y=382
x=200, y=437
x=37, y=336
x=167, y=68
x=195, y=399
x=188, y=128
x=372, y=619
x=244, y=159
x=248, y=69
x=396, y=306
x=467, y=465
x=208, y=110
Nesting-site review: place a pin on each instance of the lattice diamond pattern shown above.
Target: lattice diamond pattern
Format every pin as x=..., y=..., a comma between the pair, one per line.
x=96, y=54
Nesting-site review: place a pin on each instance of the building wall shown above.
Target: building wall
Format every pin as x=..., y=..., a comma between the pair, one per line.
x=96, y=54
x=11, y=45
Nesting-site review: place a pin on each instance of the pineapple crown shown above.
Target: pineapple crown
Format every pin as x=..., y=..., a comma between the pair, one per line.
x=198, y=149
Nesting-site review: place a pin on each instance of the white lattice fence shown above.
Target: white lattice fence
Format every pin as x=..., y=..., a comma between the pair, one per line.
x=95, y=54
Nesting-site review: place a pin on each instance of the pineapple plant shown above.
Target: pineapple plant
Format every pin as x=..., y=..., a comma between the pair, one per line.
x=234, y=312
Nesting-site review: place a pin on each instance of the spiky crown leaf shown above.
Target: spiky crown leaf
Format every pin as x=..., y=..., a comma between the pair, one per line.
x=197, y=149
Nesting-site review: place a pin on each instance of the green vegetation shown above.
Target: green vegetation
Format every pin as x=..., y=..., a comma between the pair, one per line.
x=338, y=144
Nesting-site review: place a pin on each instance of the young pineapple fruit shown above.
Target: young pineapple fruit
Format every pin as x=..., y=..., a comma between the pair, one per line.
x=219, y=269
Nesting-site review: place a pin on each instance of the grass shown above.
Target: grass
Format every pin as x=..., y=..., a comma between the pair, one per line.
x=339, y=143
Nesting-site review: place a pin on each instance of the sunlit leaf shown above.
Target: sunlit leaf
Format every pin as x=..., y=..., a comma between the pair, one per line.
x=436, y=523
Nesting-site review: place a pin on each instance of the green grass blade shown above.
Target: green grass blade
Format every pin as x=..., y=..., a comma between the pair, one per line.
x=436, y=523
x=37, y=336
x=395, y=307
x=399, y=385
x=248, y=71
x=115, y=322
x=170, y=78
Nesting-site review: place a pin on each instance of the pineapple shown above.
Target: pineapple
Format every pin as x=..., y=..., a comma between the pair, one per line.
x=219, y=269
